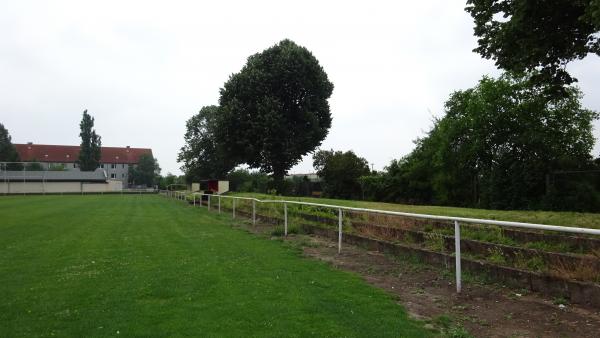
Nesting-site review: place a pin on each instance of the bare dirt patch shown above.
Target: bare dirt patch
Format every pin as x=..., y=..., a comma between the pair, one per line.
x=484, y=310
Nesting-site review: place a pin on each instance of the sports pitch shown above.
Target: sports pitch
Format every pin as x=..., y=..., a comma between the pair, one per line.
x=131, y=265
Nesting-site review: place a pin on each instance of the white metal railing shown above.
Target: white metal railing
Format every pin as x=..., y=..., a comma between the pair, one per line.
x=456, y=220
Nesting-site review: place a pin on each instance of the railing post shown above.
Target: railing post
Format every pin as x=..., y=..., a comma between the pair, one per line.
x=457, y=255
x=285, y=219
x=233, y=203
x=340, y=230
x=219, y=204
x=253, y=212
x=208, y=208
x=194, y=196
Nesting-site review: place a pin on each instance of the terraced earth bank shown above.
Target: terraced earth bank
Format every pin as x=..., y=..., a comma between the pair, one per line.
x=557, y=265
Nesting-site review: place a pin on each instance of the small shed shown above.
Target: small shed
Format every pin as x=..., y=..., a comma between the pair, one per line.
x=213, y=186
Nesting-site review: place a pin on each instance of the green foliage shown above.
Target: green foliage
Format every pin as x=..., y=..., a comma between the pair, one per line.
x=89, y=155
x=300, y=186
x=34, y=166
x=56, y=167
x=537, y=35
x=496, y=256
x=575, y=190
x=443, y=321
x=340, y=172
x=495, y=148
x=203, y=156
x=146, y=172
x=165, y=181
x=8, y=152
x=490, y=234
x=593, y=12
x=434, y=241
x=560, y=301
x=280, y=230
x=242, y=180
x=458, y=332
x=450, y=328
x=275, y=110
x=552, y=247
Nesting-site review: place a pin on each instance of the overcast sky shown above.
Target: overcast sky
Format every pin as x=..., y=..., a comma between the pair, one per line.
x=143, y=68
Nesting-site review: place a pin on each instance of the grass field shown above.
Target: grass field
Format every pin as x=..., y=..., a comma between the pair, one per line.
x=565, y=218
x=85, y=266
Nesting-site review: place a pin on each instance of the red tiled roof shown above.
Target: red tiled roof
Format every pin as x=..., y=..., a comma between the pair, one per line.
x=70, y=154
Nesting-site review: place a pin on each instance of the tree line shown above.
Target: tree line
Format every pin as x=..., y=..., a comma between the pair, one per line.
x=500, y=145
x=519, y=141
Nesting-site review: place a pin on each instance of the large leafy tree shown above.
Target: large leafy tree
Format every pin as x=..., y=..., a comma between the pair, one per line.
x=340, y=172
x=203, y=157
x=146, y=172
x=8, y=152
x=537, y=35
x=90, y=152
x=497, y=145
x=275, y=110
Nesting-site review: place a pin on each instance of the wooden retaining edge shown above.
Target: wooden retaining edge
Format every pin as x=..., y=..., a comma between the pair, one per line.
x=577, y=292
x=482, y=248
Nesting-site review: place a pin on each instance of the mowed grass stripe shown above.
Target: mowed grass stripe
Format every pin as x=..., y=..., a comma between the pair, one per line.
x=74, y=266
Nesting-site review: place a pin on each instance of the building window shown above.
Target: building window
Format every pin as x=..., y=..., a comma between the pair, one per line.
x=102, y=166
x=122, y=175
x=123, y=165
x=113, y=166
x=113, y=175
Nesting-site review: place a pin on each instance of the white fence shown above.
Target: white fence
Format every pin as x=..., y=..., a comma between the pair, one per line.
x=455, y=220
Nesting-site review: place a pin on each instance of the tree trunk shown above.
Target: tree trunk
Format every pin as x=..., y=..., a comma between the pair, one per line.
x=278, y=177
